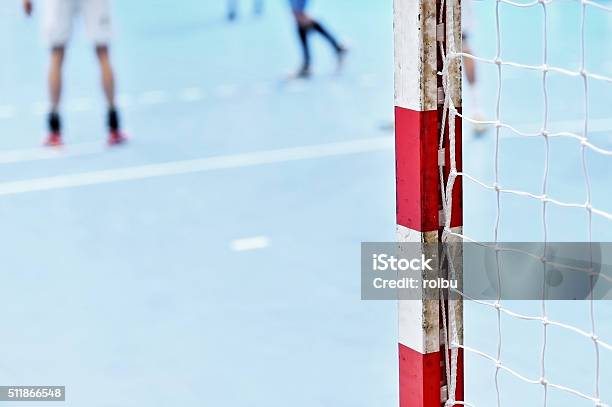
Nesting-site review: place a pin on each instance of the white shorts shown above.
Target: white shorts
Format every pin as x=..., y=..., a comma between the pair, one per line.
x=59, y=17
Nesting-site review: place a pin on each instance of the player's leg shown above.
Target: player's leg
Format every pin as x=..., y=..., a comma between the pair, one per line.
x=57, y=18
x=108, y=77
x=469, y=65
x=303, y=29
x=97, y=17
x=305, y=25
x=55, y=93
x=470, y=73
x=327, y=35
x=258, y=7
x=318, y=27
x=55, y=76
x=340, y=50
x=467, y=27
x=108, y=84
x=232, y=9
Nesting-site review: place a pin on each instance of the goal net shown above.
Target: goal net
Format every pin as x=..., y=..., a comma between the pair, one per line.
x=526, y=158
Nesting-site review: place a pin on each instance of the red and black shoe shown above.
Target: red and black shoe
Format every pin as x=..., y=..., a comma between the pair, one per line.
x=54, y=139
x=116, y=138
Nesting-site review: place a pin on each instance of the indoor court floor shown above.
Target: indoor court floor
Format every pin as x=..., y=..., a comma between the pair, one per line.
x=214, y=260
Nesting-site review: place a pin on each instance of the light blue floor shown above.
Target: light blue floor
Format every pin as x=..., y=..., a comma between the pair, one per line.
x=129, y=292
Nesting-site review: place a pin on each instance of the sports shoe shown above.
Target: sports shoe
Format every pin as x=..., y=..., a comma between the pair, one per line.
x=341, y=54
x=115, y=138
x=54, y=140
x=303, y=73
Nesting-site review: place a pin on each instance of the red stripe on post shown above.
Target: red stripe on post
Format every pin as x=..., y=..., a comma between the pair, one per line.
x=419, y=378
x=417, y=171
x=421, y=375
x=416, y=160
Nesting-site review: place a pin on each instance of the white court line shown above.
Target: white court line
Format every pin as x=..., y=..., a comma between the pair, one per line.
x=8, y=111
x=262, y=88
x=225, y=91
x=197, y=165
x=46, y=153
x=154, y=97
x=575, y=126
x=192, y=94
x=603, y=124
x=250, y=243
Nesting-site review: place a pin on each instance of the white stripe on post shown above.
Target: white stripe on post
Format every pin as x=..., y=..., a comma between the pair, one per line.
x=415, y=54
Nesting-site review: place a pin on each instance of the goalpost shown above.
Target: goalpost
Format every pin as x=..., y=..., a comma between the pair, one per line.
x=425, y=155
x=429, y=188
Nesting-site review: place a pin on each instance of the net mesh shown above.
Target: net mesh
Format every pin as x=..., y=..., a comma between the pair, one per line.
x=500, y=124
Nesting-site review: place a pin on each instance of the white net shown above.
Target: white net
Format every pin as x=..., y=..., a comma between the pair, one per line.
x=540, y=172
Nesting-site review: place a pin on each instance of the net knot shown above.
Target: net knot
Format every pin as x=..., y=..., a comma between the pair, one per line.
x=543, y=381
x=545, y=321
x=497, y=61
x=588, y=206
x=594, y=337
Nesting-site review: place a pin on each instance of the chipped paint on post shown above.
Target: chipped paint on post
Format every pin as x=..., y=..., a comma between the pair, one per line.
x=415, y=54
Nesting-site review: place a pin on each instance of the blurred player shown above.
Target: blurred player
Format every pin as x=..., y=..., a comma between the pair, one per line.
x=58, y=20
x=232, y=8
x=305, y=24
x=470, y=66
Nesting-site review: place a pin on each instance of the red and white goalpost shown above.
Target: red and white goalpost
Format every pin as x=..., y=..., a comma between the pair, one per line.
x=428, y=157
x=429, y=177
